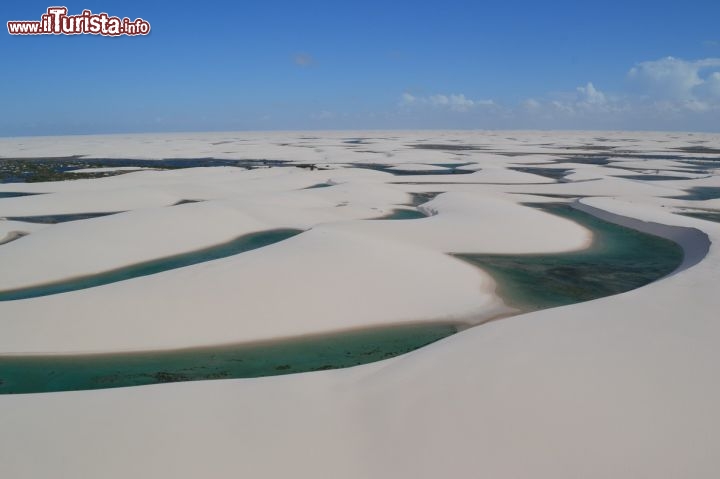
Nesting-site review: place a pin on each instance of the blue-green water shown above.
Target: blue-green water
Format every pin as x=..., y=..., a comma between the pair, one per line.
x=447, y=147
x=552, y=173
x=449, y=170
x=701, y=193
x=54, y=219
x=590, y=160
x=620, y=259
x=318, y=185
x=417, y=199
x=703, y=215
x=403, y=214
x=237, y=246
x=658, y=177
x=12, y=194
x=69, y=373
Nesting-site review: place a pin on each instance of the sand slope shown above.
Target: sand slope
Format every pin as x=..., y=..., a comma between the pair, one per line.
x=621, y=387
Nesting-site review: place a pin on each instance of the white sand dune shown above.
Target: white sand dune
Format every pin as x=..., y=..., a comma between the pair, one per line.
x=467, y=223
x=624, y=386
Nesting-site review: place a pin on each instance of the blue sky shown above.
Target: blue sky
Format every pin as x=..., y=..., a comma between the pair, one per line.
x=263, y=65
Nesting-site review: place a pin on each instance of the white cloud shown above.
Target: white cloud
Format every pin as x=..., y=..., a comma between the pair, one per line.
x=665, y=90
x=454, y=102
x=591, y=95
x=531, y=104
x=583, y=101
x=563, y=107
x=668, y=93
x=674, y=79
x=408, y=99
x=711, y=87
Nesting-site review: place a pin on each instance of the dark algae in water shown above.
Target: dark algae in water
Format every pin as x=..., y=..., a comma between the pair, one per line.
x=32, y=170
x=620, y=259
x=34, y=374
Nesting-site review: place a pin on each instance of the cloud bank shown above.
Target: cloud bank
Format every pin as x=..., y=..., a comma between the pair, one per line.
x=668, y=93
x=459, y=103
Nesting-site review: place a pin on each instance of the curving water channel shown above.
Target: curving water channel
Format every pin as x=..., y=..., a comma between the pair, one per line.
x=29, y=374
x=620, y=259
x=239, y=245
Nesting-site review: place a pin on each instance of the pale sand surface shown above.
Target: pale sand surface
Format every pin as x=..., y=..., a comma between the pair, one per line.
x=624, y=387
x=11, y=236
x=459, y=223
x=9, y=226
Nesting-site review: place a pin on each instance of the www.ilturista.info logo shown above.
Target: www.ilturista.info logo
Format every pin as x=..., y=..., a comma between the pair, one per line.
x=57, y=22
